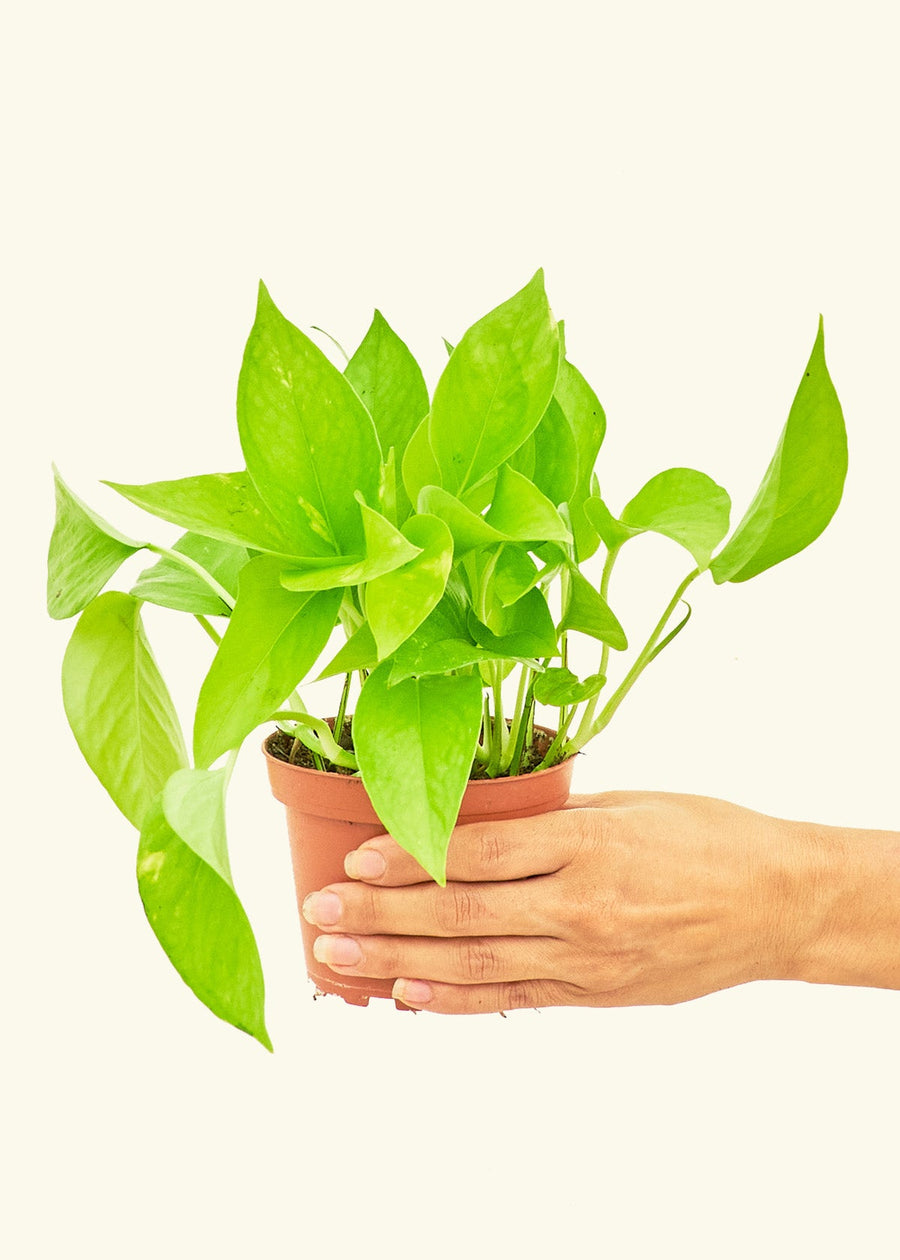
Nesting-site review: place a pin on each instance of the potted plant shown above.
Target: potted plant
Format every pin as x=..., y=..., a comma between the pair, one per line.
x=431, y=552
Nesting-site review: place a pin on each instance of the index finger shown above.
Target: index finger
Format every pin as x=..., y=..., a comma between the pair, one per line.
x=505, y=849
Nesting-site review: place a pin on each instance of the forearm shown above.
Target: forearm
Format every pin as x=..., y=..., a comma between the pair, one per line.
x=849, y=922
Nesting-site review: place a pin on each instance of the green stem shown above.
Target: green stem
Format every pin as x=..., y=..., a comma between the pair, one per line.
x=213, y=634
x=525, y=675
x=640, y=664
x=498, y=730
x=587, y=716
x=342, y=709
x=197, y=569
x=515, y=761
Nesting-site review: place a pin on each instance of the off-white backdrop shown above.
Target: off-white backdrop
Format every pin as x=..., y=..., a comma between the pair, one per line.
x=699, y=181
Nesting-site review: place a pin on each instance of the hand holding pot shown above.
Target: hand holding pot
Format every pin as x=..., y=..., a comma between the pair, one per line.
x=620, y=899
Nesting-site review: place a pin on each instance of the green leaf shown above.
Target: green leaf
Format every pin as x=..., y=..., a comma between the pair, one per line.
x=803, y=484
x=171, y=585
x=514, y=574
x=418, y=466
x=495, y=388
x=520, y=511
x=588, y=612
x=218, y=505
x=415, y=743
x=308, y=441
x=85, y=552
x=588, y=423
x=273, y=639
x=560, y=687
x=523, y=630
x=186, y=887
x=399, y=601
x=684, y=505
x=469, y=530
x=612, y=532
x=390, y=383
x=386, y=549
x=555, y=456
x=359, y=652
x=118, y=706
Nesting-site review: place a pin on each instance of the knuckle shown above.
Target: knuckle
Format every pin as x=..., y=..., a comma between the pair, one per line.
x=459, y=906
x=491, y=850
x=479, y=961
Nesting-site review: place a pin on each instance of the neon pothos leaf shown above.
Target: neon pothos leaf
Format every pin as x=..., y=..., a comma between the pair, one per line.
x=186, y=887
x=390, y=383
x=557, y=686
x=803, y=484
x=118, y=706
x=398, y=602
x=386, y=548
x=308, y=441
x=495, y=388
x=273, y=639
x=171, y=585
x=415, y=743
x=684, y=505
x=85, y=552
x=219, y=505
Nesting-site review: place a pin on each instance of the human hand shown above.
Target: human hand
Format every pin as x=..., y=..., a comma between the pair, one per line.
x=627, y=898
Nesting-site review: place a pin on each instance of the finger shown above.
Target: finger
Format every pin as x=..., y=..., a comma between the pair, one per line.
x=520, y=908
x=507, y=849
x=482, y=999
x=463, y=960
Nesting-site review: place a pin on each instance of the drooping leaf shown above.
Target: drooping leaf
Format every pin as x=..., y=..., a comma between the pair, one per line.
x=515, y=574
x=399, y=601
x=118, y=706
x=520, y=511
x=85, y=551
x=309, y=442
x=803, y=484
x=415, y=743
x=684, y=505
x=385, y=548
x=220, y=505
x=588, y=612
x=390, y=383
x=588, y=423
x=171, y=585
x=273, y=639
x=612, y=532
x=560, y=686
x=495, y=388
x=185, y=883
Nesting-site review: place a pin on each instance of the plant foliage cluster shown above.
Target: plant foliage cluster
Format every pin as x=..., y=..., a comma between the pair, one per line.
x=445, y=536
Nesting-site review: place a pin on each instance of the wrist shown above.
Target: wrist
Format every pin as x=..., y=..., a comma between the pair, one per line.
x=845, y=912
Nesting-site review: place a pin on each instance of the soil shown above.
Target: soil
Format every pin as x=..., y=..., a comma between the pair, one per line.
x=286, y=748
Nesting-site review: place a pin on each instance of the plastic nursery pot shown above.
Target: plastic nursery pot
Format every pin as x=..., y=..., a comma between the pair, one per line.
x=328, y=815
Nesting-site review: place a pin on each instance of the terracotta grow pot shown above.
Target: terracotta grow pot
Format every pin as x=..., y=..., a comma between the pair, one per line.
x=329, y=814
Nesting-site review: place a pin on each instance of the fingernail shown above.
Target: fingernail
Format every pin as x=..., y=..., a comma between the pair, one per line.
x=323, y=909
x=412, y=992
x=365, y=864
x=339, y=951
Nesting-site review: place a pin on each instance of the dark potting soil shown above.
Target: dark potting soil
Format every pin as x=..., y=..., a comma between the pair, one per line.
x=286, y=748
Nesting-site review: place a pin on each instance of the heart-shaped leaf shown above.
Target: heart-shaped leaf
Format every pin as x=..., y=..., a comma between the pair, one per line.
x=684, y=505
x=171, y=585
x=495, y=388
x=399, y=601
x=415, y=743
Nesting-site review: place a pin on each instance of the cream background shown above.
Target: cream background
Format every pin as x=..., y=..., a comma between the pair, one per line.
x=699, y=181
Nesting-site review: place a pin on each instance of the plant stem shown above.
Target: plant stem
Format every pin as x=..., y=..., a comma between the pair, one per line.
x=197, y=569
x=342, y=709
x=587, y=732
x=213, y=634
x=525, y=675
x=498, y=730
x=587, y=716
x=515, y=761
